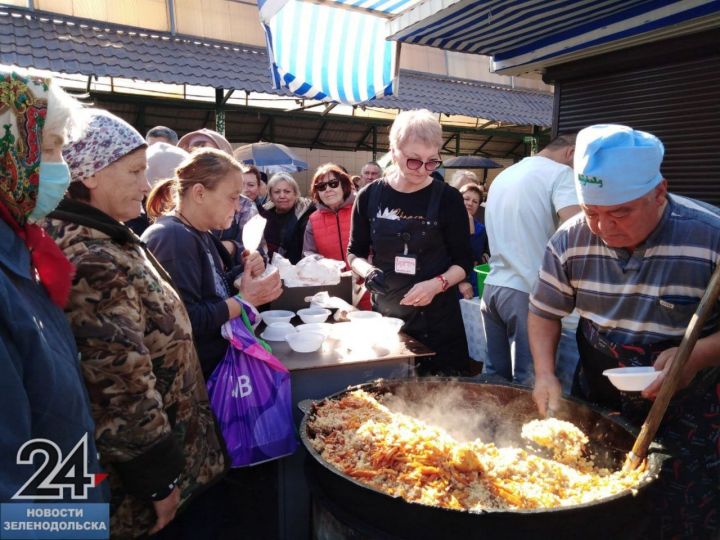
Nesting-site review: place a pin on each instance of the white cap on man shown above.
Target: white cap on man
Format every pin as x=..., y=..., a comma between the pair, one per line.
x=616, y=164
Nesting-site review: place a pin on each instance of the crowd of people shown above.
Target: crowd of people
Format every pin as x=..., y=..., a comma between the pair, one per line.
x=122, y=257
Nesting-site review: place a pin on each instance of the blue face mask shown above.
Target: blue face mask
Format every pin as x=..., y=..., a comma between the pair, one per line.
x=54, y=181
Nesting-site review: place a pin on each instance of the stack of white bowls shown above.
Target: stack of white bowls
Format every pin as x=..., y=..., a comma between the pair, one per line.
x=304, y=338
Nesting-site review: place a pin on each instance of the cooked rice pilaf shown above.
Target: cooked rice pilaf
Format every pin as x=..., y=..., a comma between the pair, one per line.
x=406, y=457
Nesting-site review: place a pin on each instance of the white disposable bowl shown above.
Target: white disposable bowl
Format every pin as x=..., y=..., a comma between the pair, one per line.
x=632, y=379
x=313, y=315
x=364, y=316
x=277, y=331
x=322, y=327
x=277, y=315
x=343, y=330
x=305, y=342
x=391, y=324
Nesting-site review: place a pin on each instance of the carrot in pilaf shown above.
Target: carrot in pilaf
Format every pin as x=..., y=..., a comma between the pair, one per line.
x=406, y=457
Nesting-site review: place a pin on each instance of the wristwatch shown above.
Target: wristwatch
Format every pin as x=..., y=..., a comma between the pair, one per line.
x=444, y=281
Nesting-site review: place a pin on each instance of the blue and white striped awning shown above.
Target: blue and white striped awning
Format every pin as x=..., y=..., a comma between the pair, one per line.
x=335, y=51
x=379, y=7
x=523, y=35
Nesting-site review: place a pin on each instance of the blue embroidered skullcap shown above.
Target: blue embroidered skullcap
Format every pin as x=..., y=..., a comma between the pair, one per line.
x=615, y=164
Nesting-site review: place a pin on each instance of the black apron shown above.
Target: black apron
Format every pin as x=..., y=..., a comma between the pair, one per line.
x=686, y=498
x=438, y=325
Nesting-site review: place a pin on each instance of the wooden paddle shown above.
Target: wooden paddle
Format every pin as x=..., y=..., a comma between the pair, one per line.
x=670, y=384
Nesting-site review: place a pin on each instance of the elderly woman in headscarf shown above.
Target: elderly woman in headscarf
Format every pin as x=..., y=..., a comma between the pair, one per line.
x=154, y=428
x=42, y=395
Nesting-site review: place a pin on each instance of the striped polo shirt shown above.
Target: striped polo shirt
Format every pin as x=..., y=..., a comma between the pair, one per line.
x=642, y=297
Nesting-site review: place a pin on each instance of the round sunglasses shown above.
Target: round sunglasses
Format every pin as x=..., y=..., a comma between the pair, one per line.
x=430, y=165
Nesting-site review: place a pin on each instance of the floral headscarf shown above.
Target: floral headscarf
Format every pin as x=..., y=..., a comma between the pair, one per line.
x=23, y=108
x=107, y=138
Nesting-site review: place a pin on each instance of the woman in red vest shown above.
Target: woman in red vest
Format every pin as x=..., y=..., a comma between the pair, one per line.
x=328, y=229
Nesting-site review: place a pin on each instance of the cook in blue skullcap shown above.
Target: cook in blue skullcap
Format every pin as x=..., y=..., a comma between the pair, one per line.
x=615, y=164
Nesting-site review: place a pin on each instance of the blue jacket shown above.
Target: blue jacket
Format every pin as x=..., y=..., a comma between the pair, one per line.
x=203, y=275
x=478, y=242
x=42, y=394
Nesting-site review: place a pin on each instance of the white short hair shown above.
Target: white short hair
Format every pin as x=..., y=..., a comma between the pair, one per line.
x=416, y=125
x=283, y=177
x=460, y=178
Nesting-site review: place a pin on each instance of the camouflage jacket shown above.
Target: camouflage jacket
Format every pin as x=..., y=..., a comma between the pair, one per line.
x=148, y=396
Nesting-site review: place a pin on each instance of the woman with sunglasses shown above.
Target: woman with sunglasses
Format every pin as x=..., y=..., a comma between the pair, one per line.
x=328, y=229
x=415, y=229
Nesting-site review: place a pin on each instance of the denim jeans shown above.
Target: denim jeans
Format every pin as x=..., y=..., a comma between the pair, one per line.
x=504, y=317
x=566, y=359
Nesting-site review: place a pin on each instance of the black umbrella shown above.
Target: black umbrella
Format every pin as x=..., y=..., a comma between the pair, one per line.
x=270, y=157
x=471, y=162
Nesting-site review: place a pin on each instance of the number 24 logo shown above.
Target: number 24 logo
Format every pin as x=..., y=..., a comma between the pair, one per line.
x=55, y=473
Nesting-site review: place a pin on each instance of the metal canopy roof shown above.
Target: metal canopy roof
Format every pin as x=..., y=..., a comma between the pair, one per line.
x=303, y=129
x=87, y=47
x=527, y=35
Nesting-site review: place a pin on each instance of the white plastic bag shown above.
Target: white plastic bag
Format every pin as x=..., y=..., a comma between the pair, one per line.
x=311, y=271
x=324, y=300
x=288, y=273
x=317, y=270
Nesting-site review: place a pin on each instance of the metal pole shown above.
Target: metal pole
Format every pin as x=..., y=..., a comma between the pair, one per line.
x=171, y=15
x=219, y=112
x=374, y=143
x=140, y=121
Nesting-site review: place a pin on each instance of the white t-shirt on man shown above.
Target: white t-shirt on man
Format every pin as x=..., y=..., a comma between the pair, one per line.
x=521, y=216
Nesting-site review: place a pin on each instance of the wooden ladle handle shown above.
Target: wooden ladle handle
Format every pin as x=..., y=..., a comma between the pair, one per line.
x=670, y=384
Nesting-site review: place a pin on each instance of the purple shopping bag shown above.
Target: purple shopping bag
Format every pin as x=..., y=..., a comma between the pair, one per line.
x=250, y=396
